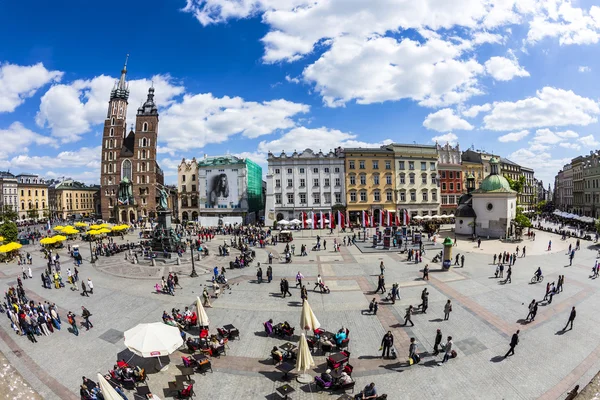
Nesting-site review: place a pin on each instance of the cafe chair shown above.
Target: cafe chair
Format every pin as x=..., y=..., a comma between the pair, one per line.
x=186, y=393
x=223, y=333
x=218, y=351
x=312, y=345
x=321, y=384
x=204, y=366
x=276, y=358
x=332, y=364
x=344, y=344
x=348, y=386
x=348, y=369
x=234, y=333
x=326, y=348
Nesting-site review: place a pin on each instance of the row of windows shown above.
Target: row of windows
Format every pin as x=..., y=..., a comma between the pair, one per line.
x=9, y=191
x=30, y=205
x=375, y=164
x=363, y=179
x=29, y=192
x=451, y=186
x=290, y=182
x=451, y=174
x=389, y=195
x=388, y=165
x=315, y=170
x=193, y=178
x=316, y=197
x=184, y=188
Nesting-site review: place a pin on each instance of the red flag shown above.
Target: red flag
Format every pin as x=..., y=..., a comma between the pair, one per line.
x=314, y=220
x=321, y=222
x=389, y=218
x=397, y=219
x=331, y=220
x=304, y=217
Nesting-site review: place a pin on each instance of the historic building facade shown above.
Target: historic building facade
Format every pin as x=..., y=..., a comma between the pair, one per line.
x=416, y=178
x=528, y=197
x=563, y=188
x=472, y=163
x=187, y=187
x=304, y=182
x=130, y=175
x=9, y=190
x=70, y=199
x=370, y=181
x=450, y=177
x=578, y=184
x=591, y=185
x=33, y=197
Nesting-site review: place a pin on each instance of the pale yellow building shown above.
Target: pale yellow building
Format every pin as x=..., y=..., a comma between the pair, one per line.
x=370, y=183
x=73, y=199
x=33, y=197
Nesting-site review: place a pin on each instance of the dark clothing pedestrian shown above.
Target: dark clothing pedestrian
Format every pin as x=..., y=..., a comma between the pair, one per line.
x=84, y=290
x=438, y=341
x=386, y=344
x=86, y=317
x=513, y=343
x=407, y=316
x=571, y=319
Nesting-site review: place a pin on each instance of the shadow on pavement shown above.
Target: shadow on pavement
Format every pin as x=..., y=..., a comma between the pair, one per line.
x=497, y=359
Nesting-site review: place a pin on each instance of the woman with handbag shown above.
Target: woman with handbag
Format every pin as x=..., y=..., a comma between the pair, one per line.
x=413, y=357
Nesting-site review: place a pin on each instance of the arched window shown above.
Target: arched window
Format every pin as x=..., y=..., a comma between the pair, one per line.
x=144, y=141
x=110, y=202
x=143, y=167
x=110, y=168
x=112, y=132
x=126, y=169
x=145, y=127
x=110, y=143
x=110, y=155
x=143, y=154
x=112, y=122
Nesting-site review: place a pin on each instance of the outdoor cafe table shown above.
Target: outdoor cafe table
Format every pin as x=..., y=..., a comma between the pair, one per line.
x=288, y=346
x=286, y=368
x=199, y=357
x=338, y=358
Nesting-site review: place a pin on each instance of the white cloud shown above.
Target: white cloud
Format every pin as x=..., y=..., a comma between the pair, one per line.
x=584, y=68
x=70, y=110
x=448, y=137
x=89, y=176
x=446, y=120
x=513, y=137
x=571, y=25
x=543, y=162
x=504, y=69
x=589, y=141
x=202, y=119
x=292, y=80
x=88, y=157
x=18, y=83
x=16, y=139
x=473, y=111
x=323, y=139
x=550, y=107
x=567, y=145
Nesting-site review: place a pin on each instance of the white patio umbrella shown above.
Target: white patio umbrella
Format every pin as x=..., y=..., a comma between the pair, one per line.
x=153, y=340
x=202, y=317
x=295, y=222
x=308, y=320
x=450, y=216
x=283, y=222
x=427, y=217
x=436, y=217
x=417, y=217
x=304, y=360
x=107, y=390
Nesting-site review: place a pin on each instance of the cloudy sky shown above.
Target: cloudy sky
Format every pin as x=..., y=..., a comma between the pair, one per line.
x=244, y=77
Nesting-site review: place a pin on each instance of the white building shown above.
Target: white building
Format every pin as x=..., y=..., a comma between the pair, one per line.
x=9, y=189
x=489, y=210
x=303, y=182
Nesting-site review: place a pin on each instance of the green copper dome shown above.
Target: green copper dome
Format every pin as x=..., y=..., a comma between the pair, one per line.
x=495, y=183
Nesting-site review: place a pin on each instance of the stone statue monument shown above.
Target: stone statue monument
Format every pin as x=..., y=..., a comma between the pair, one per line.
x=164, y=237
x=126, y=192
x=162, y=203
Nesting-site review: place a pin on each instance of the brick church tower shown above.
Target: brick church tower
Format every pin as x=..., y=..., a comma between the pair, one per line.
x=129, y=171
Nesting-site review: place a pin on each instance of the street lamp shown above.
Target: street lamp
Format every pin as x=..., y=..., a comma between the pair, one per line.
x=193, y=274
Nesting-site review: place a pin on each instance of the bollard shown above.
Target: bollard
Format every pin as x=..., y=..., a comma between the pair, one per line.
x=178, y=262
x=153, y=261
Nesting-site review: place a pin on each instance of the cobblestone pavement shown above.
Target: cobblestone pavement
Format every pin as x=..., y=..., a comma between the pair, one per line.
x=486, y=312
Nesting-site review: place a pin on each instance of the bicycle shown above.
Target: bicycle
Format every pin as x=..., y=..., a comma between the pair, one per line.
x=537, y=279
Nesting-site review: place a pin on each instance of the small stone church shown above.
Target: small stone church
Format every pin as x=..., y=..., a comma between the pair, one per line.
x=489, y=210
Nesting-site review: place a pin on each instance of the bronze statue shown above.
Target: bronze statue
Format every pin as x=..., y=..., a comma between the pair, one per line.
x=126, y=192
x=162, y=200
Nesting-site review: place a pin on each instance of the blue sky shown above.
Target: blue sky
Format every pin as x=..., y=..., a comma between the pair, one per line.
x=248, y=76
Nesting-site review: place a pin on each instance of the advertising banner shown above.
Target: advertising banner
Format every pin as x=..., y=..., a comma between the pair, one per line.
x=222, y=188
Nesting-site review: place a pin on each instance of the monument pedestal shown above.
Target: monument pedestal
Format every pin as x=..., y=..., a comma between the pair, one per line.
x=164, y=237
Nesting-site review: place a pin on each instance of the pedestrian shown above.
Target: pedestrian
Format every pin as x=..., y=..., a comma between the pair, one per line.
x=447, y=310
x=386, y=344
x=324, y=244
x=269, y=274
x=448, y=349
x=299, y=278
x=523, y=255
x=508, y=274
x=571, y=395
x=84, y=289
x=494, y=258
x=559, y=284
x=514, y=341
x=438, y=341
x=382, y=268
x=530, y=307
x=206, y=297
x=412, y=351
x=462, y=261
x=73, y=322
x=457, y=259
x=501, y=271
x=424, y=300
x=91, y=286
x=373, y=306
x=303, y=293
x=407, y=316
x=176, y=280
x=549, y=245
x=479, y=243
x=380, y=284
x=547, y=291
x=426, y=272
x=85, y=314
x=286, y=287
x=571, y=319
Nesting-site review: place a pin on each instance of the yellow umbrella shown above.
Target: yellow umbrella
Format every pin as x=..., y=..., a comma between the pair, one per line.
x=202, y=317
x=304, y=360
x=104, y=226
x=95, y=227
x=48, y=240
x=59, y=238
x=104, y=230
x=10, y=247
x=59, y=228
x=120, y=228
x=93, y=232
x=81, y=224
x=70, y=231
x=308, y=320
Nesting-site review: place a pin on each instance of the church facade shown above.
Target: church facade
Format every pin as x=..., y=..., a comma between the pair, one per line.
x=130, y=177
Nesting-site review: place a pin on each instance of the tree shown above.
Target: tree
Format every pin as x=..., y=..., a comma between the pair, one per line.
x=9, y=231
x=521, y=219
x=8, y=214
x=33, y=213
x=516, y=185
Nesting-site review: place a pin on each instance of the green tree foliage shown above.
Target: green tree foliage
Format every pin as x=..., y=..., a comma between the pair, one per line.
x=521, y=219
x=8, y=214
x=33, y=213
x=9, y=231
x=516, y=185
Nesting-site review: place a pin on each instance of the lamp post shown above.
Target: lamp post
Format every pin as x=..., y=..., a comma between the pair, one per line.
x=193, y=274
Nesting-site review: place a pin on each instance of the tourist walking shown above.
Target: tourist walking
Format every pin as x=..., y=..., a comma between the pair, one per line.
x=438, y=341
x=286, y=287
x=426, y=272
x=407, y=316
x=571, y=319
x=447, y=310
x=259, y=275
x=85, y=314
x=382, y=268
x=514, y=341
x=424, y=300
x=373, y=306
x=73, y=322
x=412, y=351
x=91, y=286
x=530, y=307
x=386, y=344
x=508, y=274
x=84, y=291
x=299, y=278
x=448, y=349
x=269, y=274
x=206, y=298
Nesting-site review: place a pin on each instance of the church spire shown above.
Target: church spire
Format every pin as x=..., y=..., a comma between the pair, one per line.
x=121, y=90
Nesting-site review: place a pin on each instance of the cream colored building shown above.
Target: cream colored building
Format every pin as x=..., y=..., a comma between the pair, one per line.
x=33, y=197
x=187, y=188
x=72, y=198
x=417, y=188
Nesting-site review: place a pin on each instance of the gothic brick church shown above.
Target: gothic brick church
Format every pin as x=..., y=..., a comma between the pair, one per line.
x=130, y=175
